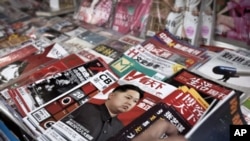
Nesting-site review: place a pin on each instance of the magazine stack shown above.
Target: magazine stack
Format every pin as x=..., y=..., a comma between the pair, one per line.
x=92, y=70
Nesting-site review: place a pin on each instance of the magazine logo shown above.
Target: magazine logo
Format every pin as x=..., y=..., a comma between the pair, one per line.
x=180, y=47
x=157, y=51
x=148, y=84
x=122, y=65
x=105, y=78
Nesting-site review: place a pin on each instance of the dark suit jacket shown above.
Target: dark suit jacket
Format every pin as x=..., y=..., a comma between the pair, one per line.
x=97, y=120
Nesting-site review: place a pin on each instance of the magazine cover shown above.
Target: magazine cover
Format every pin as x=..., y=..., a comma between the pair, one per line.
x=87, y=125
x=94, y=12
x=48, y=12
x=189, y=104
x=17, y=55
x=48, y=21
x=187, y=60
x=52, y=68
x=172, y=42
x=118, y=45
x=41, y=119
x=207, y=88
x=109, y=33
x=159, y=111
x=232, y=22
x=107, y=51
x=64, y=26
x=229, y=68
x=12, y=42
x=92, y=37
x=131, y=40
x=67, y=26
x=75, y=44
x=130, y=16
x=76, y=31
x=215, y=125
x=31, y=96
x=51, y=34
x=22, y=63
x=20, y=27
x=243, y=51
x=220, y=117
x=144, y=61
x=89, y=53
x=41, y=42
x=154, y=91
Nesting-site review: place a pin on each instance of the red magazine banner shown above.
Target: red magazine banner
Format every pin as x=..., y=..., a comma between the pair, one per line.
x=207, y=88
x=170, y=41
x=188, y=105
x=156, y=47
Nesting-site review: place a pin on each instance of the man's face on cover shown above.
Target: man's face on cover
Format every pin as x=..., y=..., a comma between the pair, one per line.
x=120, y=102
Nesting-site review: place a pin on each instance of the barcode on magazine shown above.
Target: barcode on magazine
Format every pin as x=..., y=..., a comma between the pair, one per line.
x=68, y=132
x=41, y=115
x=51, y=134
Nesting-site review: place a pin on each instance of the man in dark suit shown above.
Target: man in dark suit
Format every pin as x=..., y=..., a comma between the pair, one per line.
x=101, y=121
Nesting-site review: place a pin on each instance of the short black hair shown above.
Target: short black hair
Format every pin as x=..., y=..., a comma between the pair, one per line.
x=125, y=87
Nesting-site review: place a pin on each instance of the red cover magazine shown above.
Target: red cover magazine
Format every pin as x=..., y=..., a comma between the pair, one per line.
x=154, y=90
x=26, y=60
x=156, y=47
x=31, y=96
x=42, y=118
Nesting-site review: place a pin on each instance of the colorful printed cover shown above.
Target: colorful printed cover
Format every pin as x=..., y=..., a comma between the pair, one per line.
x=26, y=60
x=69, y=128
x=31, y=96
x=140, y=59
x=41, y=119
x=228, y=68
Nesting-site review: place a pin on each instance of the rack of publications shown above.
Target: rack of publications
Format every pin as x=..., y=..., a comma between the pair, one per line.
x=191, y=59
